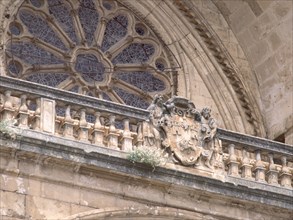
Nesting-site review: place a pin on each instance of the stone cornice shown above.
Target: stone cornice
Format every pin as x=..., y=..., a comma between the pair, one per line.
x=87, y=155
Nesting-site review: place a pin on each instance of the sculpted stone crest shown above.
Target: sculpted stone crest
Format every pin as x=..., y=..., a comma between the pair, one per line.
x=188, y=133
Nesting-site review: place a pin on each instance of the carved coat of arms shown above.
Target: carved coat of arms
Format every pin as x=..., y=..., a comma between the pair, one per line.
x=188, y=133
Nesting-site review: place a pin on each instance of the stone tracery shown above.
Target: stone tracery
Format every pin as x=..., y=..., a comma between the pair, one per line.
x=97, y=48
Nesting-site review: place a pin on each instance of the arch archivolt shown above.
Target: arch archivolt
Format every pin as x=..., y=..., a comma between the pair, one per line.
x=194, y=47
x=136, y=213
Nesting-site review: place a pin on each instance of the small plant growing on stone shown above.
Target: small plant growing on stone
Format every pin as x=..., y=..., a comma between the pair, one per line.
x=147, y=155
x=6, y=129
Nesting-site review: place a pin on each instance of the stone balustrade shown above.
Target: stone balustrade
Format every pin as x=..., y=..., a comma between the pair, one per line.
x=202, y=147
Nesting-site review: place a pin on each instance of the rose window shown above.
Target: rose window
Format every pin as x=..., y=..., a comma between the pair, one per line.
x=93, y=47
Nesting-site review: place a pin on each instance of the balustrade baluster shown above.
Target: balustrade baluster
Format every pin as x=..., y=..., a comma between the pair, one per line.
x=259, y=168
x=23, y=113
x=232, y=162
x=99, y=131
x=139, y=138
x=272, y=173
x=126, y=138
x=37, y=116
x=83, y=130
x=113, y=134
x=8, y=110
x=68, y=123
x=285, y=176
x=246, y=166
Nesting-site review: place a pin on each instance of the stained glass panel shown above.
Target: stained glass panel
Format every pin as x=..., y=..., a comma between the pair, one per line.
x=116, y=29
x=14, y=68
x=89, y=19
x=131, y=99
x=14, y=30
x=74, y=89
x=135, y=53
x=89, y=67
x=39, y=28
x=48, y=79
x=37, y=3
x=32, y=54
x=142, y=80
x=62, y=13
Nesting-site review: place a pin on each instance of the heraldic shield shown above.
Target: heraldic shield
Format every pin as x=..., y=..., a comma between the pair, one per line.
x=181, y=124
x=188, y=133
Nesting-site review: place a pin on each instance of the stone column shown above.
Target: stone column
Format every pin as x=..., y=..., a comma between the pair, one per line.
x=232, y=162
x=68, y=124
x=8, y=111
x=259, y=168
x=285, y=176
x=126, y=137
x=272, y=173
x=83, y=128
x=246, y=166
x=99, y=131
x=113, y=134
x=23, y=113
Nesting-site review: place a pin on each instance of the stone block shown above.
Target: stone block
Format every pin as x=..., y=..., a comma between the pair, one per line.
x=266, y=70
x=42, y=208
x=13, y=184
x=246, y=40
x=263, y=26
x=103, y=200
x=282, y=8
x=48, y=115
x=12, y=205
x=274, y=41
x=241, y=18
x=34, y=187
x=210, y=5
x=54, y=190
x=283, y=56
x=8, y=163
x=75, y=209
x=264, y=4
x=233, y=5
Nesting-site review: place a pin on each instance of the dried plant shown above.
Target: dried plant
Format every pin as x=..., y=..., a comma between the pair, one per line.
x=148, y=155
x=6, y=129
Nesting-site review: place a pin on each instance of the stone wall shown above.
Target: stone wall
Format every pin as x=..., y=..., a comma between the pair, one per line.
x=264, y=31
x=256, y=36
x=68, y=181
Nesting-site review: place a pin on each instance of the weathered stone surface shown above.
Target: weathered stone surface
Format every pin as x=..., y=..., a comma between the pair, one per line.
x=12, y=205
x=49, y=177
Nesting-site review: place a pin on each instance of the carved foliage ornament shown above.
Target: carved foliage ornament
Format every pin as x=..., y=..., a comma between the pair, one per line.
x=188, y=133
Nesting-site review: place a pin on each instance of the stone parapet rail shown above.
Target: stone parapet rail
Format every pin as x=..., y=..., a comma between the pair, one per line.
x=242, y=159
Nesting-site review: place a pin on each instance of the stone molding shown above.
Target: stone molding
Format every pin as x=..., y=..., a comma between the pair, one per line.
x=84, y=155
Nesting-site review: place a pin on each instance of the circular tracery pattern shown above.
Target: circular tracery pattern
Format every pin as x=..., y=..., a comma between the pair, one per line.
x=99, y=43
x=90, y=68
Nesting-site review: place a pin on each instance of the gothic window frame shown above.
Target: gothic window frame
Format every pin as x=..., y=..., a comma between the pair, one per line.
x=138, y=51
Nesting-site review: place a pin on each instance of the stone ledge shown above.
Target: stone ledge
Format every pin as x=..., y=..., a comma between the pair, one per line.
x=7, y=83
x=256, y=142
x=100, y=158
